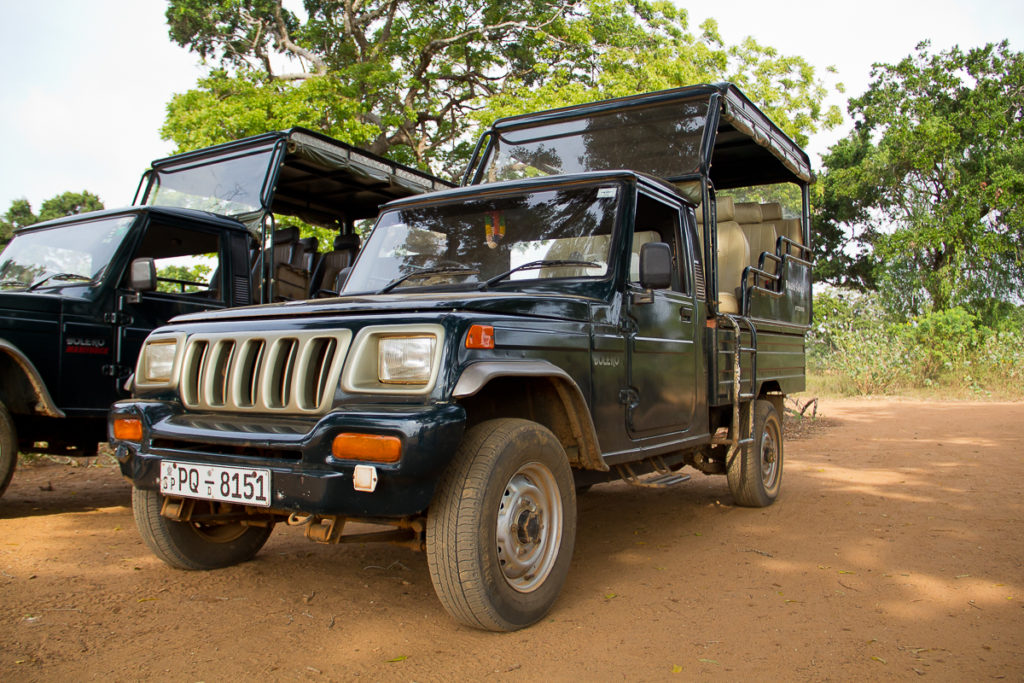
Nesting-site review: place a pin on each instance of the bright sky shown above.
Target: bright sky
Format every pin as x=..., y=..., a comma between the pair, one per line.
x=85, y=84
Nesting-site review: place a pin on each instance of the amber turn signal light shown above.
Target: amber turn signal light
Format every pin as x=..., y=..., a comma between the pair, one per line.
x=372, y=447
x=128, y=428
x=480, y=337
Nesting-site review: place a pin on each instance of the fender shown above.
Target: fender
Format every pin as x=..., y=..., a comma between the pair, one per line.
x=44, y=402
x=476, y=376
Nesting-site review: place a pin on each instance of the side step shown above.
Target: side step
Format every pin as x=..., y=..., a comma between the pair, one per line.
x=661, y=478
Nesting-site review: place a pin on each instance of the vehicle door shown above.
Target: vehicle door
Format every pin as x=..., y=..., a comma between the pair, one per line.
x=659, y=326
x=191, y=266
x=83, y=345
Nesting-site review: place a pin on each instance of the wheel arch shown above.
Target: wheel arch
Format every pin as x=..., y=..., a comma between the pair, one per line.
x=22, y=388
x=772, y=391
x=537, y=391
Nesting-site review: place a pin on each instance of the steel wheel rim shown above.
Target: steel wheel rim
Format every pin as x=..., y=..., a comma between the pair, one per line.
x=529, y=527
x=769, y=458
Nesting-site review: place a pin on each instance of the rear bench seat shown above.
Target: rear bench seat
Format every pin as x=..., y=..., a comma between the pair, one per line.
x=761, y=234
x=733, y=255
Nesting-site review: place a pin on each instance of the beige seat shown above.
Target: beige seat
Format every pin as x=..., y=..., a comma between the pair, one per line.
x=726, y=212
x=733, y=254
x=733, y=257
x=747, y=213
x=761, y=237
x=771, y=212
x=791, y=228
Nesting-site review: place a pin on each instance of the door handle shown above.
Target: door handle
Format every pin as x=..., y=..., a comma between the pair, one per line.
x=685, y=314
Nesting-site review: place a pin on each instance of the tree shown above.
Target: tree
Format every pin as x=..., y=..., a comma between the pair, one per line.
x=20, y=214
x=414, y=79
x=929, y=185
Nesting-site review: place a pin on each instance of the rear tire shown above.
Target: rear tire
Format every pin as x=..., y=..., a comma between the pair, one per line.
x=8, y=448
x=193, y=545
x=755, y=474
x=502, y=526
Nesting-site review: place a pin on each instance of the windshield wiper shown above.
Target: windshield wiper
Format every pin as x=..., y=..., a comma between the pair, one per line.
x=13, y=283
x=534, y=265
x=427, y=271
x=57, y=276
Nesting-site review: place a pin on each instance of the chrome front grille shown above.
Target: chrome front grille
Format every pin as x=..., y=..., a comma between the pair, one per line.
x=293, y=372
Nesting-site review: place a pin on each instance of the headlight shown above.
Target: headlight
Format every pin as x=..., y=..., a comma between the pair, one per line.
x=394, y=360
x=405, y=360
x=157, y=361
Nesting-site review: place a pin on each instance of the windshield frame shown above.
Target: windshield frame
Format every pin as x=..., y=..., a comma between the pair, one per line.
x=120, y=228
x=625, y=184
x=188, y=165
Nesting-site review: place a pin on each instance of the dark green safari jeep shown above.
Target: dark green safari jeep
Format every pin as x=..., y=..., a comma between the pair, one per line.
x=79, y=295
x=618, y=291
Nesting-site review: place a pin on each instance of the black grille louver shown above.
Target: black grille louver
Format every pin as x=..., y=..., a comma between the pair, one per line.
x=263, y=372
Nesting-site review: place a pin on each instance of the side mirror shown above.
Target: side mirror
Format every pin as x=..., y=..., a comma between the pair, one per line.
x=656, y=265
x=142, y=277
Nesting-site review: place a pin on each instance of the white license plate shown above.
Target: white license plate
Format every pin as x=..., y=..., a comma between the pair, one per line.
x=244, y=485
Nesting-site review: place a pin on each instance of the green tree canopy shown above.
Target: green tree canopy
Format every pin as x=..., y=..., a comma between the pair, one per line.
x=67, y=204
x=929, y=185
x=415, y=79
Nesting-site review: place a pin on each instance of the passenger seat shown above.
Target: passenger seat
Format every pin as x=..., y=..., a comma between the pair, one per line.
x=733, y=255
x=760, y=234
x=329, y=277
x=293, y=276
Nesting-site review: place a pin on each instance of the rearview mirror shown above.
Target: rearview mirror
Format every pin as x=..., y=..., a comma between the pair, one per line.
x=656, y=265
x=142, y=277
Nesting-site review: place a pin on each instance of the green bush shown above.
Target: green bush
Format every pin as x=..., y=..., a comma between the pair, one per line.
x=858, y=348
x=852, y=343
x=943, y=342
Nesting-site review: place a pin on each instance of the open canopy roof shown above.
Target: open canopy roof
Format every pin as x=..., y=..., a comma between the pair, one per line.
x=702, y=130
x=294, y=172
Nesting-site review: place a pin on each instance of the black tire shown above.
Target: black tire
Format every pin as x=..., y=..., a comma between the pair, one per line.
x=755, y=474
x=191, y=545
x=8, y=448
x=512, y=474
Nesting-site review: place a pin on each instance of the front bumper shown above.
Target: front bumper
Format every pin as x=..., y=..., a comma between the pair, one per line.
x=306, y=477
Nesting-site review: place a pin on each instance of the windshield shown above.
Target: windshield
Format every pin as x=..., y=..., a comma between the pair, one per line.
x=227, y=186
x=63, y=255
x=477, y=239
x=663, y=140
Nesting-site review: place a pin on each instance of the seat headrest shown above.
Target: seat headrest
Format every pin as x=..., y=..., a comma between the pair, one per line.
x=346, y=242
x=747, y=212
x=792, y=229
x=726, y=208
x=286, y=235
x=771, y=211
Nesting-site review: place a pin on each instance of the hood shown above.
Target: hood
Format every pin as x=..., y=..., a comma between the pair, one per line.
x=38, y=303
x=535, y=304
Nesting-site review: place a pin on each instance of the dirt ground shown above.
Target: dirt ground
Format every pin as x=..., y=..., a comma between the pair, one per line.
x=895, y=551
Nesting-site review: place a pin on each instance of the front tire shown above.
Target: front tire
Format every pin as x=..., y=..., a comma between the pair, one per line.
x=502, y=526
x=194, y=545
x=755, y=473
x=8, y=448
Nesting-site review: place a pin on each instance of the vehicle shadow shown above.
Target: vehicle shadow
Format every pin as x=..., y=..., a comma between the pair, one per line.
x=47, y=487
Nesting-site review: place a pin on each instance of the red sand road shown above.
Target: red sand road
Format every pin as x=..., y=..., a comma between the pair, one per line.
x=895, y=551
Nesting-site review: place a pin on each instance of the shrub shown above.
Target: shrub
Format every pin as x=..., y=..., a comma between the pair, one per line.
x=860, y=349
